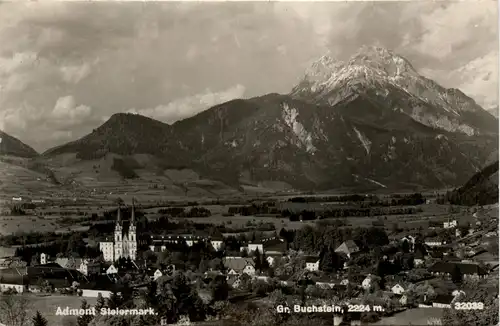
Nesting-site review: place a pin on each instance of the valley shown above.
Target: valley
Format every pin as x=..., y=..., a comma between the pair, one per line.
x=366, y=184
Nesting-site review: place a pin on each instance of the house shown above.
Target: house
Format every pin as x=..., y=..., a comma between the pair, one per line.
x=112, y=270
x=403, y=300
x=91, y=293
x=467, y=270
x=274, y=245
x=88, y=267
x=285, y=280
x=72, y=263
x=273, y=257
x=191, y=239
x=312, y=263
x=345, y=282
x=442, y=301
x=157, y=274
x=239, y=265
x=102, y=284
x=216, y=242
x=410, y=240
x=18, y=287
x=434, y=242
x=397, y=289
x=348, y=248
x=450, y=224
x=419, y=258
x=253, y=247
x=367, y=282
x=44, y=258
x=12, y=262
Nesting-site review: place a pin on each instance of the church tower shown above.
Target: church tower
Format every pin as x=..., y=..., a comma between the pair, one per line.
x=118, y=236
x=132, y=234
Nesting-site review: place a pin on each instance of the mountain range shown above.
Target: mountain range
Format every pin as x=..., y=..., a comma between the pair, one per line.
x=370, y=122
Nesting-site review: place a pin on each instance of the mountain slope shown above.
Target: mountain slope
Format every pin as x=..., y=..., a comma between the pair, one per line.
x=12, y=146
x=481, y=189
x=123, y=134
x=370, y=123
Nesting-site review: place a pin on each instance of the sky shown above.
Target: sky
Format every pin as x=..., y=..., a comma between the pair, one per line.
x=66, y=67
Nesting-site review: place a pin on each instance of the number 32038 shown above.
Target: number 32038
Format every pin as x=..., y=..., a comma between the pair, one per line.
x=468, y=305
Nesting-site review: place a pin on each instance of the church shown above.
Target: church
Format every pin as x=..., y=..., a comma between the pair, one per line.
x=124, y=243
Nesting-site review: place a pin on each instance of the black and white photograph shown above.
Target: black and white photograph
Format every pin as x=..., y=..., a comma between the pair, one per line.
x=249, y=163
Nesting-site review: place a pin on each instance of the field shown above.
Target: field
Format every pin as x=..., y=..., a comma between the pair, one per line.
x=26, y=223
x=436, y=213
x=47, y=305
x=417, y=316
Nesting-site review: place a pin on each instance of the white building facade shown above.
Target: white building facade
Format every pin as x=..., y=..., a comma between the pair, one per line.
x=124, y=243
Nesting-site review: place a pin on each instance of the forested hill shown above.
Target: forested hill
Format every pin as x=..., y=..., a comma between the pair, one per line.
x=481, y=189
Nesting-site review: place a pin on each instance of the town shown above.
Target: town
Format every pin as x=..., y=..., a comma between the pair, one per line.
x=191, y=272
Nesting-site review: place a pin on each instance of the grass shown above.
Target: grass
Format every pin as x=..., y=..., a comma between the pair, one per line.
x=417, y=316
x=47, y=306
x=430, y=213
x=25, y=223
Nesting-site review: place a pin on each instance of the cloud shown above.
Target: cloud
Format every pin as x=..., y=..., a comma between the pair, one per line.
x=67, y=111
x=191, y=105
x=74, y=74
x=479, y=79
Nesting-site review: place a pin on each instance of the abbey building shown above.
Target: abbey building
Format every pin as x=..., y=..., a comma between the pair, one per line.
x=124, y=243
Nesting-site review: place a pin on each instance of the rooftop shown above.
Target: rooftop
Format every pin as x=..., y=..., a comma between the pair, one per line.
x=448, y=267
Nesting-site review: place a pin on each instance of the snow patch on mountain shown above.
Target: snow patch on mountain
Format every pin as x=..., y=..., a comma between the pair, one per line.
x=303, y=136
x=364, y=140
x=369, y=180
x=376, y=182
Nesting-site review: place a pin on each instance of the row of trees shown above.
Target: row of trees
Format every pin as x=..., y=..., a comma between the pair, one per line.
x=181, y=212
x=348, y=211
x=470, y=198
x=73, y=246
x=254, y=209
x=365, y=200
x=316, y=239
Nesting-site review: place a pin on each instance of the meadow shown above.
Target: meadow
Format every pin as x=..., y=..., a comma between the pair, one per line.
x=47, y=306
x=416, y=316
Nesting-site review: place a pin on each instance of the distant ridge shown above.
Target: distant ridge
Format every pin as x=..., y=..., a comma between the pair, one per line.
x=10, y=145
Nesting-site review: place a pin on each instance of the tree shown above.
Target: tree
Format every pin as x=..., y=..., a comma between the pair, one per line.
x=264, y=264
x=85, y=319
x=39, y=320
x=456, y=275
x=101, y=303
x=486, y=316
x=405, y=246
x=14, y=310
x=219, y=288
x=258, y=261
x=164, y=259
x=203, y=266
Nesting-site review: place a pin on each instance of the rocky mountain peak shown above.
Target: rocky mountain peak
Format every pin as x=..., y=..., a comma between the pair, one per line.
x=382, y=59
